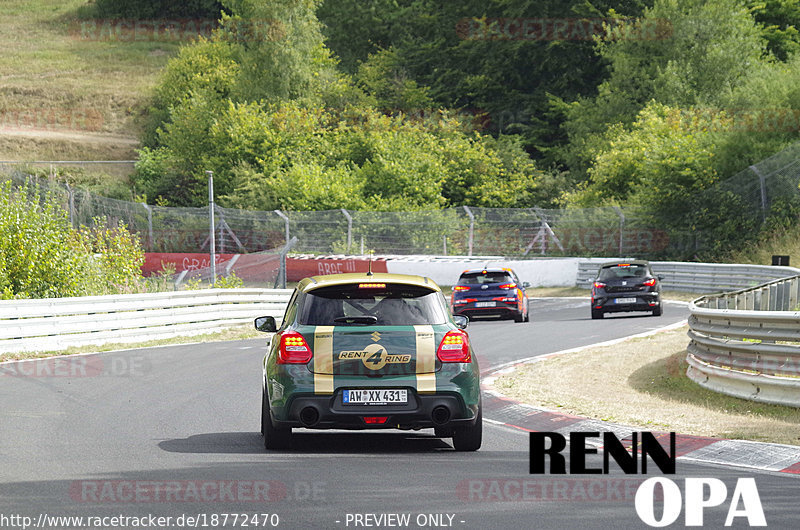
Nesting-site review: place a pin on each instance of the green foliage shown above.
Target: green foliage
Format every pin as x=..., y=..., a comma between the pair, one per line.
x=708, y=49
x=656, y=164
x=382, y=76
x=116, y=258
x=779, y=19
x=41, y=256
x=467, y=60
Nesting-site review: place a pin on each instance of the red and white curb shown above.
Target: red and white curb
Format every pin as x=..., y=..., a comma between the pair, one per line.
x=507, y=412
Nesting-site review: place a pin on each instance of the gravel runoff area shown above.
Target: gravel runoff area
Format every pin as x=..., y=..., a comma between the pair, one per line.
x=642, y=383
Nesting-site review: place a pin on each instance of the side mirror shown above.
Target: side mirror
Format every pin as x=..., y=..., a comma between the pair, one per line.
x=266, y=324
x=461, y=321
x=525, y=285
x=660, y=278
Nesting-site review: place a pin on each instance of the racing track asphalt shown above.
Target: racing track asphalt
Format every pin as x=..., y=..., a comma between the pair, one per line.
x=81, y=436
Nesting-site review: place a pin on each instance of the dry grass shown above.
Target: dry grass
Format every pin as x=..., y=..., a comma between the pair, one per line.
x=642, y=383
x=45, y=67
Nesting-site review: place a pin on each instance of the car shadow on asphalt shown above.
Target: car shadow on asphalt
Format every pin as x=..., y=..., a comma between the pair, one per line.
x=308, y=442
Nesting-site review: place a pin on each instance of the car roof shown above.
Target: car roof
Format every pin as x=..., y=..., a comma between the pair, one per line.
x=625, y=262
x=328, y=280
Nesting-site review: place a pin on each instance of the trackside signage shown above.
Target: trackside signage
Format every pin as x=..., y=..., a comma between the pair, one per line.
x=548, y=452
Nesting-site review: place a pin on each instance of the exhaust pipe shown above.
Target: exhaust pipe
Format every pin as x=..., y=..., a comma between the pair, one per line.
x=309, y=416
x=440, y=415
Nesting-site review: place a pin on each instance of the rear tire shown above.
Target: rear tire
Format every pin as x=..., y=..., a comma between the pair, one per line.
x=274, y=438
x=597, y=313
x=657, y=312
x=519, y=317
x=469, y=438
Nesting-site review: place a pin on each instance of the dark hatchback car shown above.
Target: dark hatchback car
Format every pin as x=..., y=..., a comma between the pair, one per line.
x=626, y=286
x=490, y=292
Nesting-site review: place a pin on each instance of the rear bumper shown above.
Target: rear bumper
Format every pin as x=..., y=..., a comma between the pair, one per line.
x=329, y=412
x=608, y=303
x=501, y=309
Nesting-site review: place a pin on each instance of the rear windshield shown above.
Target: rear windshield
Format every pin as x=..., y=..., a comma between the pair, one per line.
x=627, y=271
x=389, y=304
x=472, y=278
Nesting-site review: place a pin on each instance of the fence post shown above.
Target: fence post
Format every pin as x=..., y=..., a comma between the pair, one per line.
x=471, y=230
x=763, y=184
x=285, y=220
x=70, y=205
x=349, y=228
x=621, y=227
x=149, y=226
x=444, y=244
x=281, y=279
x=212, y=243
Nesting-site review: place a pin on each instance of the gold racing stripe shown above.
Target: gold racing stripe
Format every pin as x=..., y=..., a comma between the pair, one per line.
x=426, y=359
x=323, y=360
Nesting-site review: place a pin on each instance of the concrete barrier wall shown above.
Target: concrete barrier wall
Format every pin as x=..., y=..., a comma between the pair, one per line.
x=555, y=272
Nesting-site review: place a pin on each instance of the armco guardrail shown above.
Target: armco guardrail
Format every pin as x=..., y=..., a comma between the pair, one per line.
x=700, y=277
x=58, y=323
x=746, y=343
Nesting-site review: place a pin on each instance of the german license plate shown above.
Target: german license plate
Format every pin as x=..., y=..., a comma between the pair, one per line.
x=625, y=300
x=484, y=304
x=381, y=396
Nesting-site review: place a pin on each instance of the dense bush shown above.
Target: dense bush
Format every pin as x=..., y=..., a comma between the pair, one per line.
x=42, y=256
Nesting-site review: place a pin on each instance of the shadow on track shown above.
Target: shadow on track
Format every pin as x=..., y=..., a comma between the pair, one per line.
x=308, y=442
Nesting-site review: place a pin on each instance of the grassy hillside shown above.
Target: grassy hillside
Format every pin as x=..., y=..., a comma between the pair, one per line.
x=68, y=93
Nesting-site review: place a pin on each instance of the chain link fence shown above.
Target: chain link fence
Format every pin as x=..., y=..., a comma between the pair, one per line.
x=747, y=197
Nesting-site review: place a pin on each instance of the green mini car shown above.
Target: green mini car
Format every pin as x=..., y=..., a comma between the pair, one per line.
x=370, y=351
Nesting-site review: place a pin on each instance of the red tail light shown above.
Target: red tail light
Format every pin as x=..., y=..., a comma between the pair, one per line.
x=375, y=420
x=293, y=349
x=599, y=285
x=454, y=348
x=508, y=286
x=461, y=288
x=651, y=282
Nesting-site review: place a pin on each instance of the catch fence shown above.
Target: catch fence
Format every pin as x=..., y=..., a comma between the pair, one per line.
x=739, y=205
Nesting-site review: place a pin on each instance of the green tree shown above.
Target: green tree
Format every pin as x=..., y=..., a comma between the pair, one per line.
x=705, y=51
